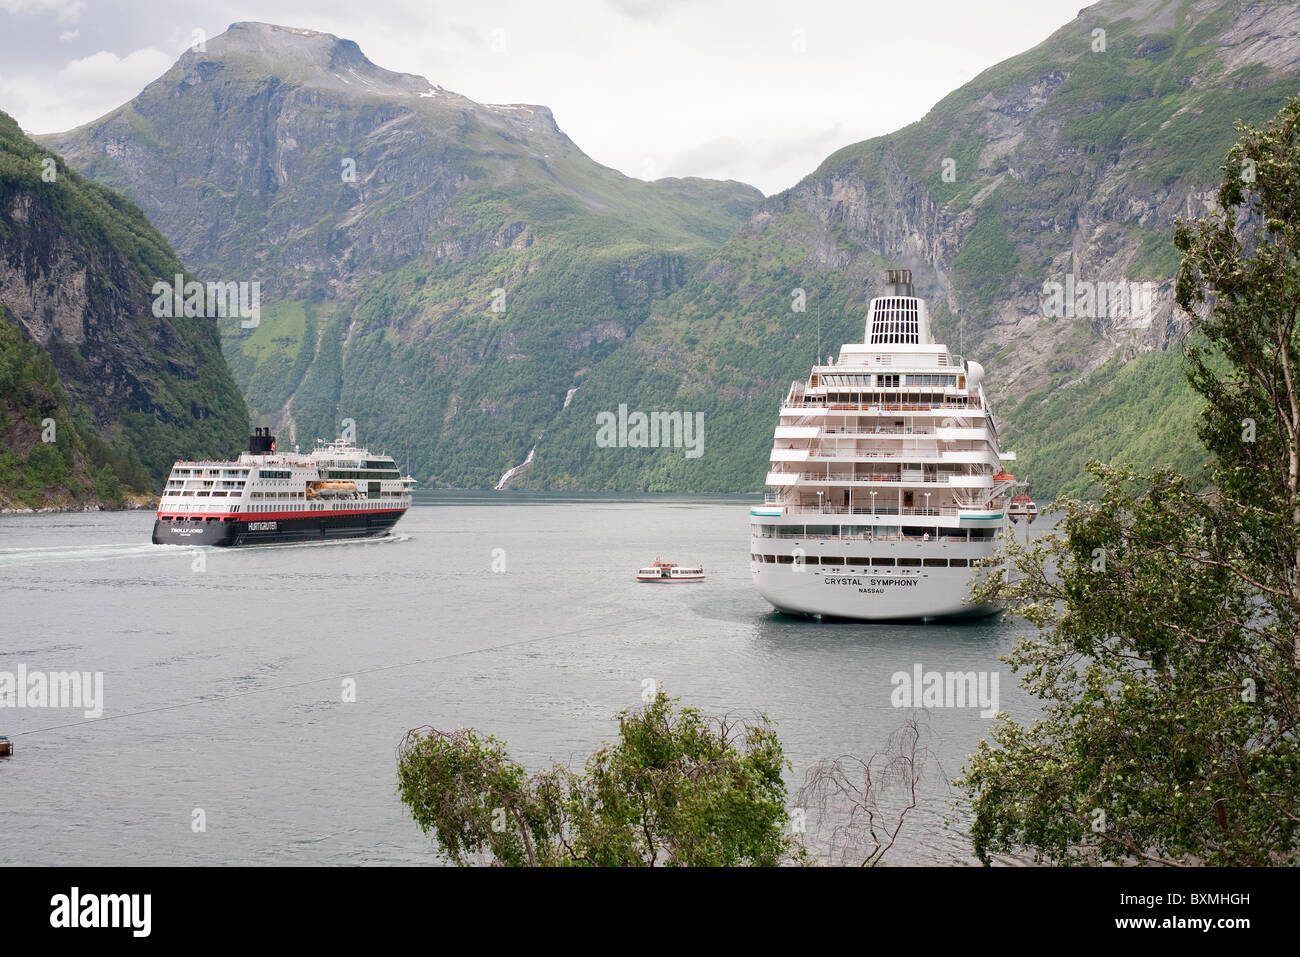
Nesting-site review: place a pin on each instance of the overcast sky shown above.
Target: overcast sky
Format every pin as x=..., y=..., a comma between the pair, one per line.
x=755, y=90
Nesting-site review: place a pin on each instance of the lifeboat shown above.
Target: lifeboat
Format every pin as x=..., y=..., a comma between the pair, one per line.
x=1022, y=506
x=333, y=487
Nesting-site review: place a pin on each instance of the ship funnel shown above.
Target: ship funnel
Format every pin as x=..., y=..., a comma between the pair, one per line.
x=261, y=442
x=900, y=280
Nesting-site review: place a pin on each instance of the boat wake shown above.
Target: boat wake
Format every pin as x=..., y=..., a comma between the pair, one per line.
x=113, y=551
x=120, y=551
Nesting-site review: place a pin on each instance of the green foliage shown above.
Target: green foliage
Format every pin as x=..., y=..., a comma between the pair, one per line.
x=1140, y=413
x=988, y=259
x=172, y=393
x=678, y=789
x=1167, y=654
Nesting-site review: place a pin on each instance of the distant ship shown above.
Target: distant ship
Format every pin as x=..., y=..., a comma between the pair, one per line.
x=886, y=489
x=670, y=572
x=266, y=497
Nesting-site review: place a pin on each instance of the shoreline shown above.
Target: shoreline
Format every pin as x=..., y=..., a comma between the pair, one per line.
x=130, y=505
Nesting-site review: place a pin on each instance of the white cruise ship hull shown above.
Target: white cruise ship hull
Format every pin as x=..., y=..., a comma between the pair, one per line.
x=870, y=595
x=870, y=580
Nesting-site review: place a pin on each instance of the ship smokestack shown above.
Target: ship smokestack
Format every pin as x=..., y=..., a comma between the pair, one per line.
x=261, y=442
x=900, y=280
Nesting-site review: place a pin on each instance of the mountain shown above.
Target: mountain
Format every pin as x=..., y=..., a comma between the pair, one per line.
x=1065, y=165
x=1072, y=159
x=440, y=271
x=97, y=395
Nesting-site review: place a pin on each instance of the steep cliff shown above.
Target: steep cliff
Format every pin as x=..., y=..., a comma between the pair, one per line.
x=127, y=391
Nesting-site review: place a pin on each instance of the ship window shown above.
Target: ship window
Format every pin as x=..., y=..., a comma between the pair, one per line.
x=910, y=562
x=882, y=562
x=833, y=560
x=957, y=563
x=808, y=560
x=936, y=563
x=785, y=559
x=858, y=560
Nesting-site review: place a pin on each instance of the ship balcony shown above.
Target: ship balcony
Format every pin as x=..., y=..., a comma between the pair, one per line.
x=797, y=431
x=777, y=478
x=930, y=455
x=940, y=433
x=880, y=511
x=809, y=407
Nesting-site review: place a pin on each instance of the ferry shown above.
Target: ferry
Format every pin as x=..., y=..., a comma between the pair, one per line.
x=670, y=572
x=1022, y=506
x=335, y=491
x=886, y=491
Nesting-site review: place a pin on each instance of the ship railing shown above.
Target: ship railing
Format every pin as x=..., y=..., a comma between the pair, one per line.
x=879, y=510
x=891, y=477
x=891, y=430
x=911, y=453
x=944, y=539
x=881, y=406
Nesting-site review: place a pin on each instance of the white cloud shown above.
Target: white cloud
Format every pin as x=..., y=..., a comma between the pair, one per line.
x=69, y=11
x=67, y=35
x=82, y=90
x=124, y=75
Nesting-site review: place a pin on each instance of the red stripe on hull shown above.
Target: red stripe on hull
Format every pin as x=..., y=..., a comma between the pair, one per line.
x=272, y=516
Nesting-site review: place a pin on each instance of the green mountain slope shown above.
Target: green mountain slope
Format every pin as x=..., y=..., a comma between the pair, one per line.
x=79, y=344
x=1066, y=160
x=1068, y=163
x=448, y=295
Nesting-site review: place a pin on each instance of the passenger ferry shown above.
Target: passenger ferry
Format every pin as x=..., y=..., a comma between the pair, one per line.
x=670, y=572
x=267, y=497
x=886, y=489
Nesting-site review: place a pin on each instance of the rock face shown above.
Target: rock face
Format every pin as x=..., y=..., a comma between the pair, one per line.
x=477, y=266
x=1064, y=169
x=126, y=392
x=418, y=252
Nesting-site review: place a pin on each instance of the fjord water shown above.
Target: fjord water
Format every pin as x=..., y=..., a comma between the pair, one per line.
x=225, y=672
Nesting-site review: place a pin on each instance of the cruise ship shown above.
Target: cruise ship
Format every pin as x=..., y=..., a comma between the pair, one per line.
x=886, y=488
x=267, y=497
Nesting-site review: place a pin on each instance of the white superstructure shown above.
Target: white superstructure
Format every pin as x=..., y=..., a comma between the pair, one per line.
x=886, y=484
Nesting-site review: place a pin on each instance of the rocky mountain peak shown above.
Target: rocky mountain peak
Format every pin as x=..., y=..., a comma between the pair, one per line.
x=304, y=57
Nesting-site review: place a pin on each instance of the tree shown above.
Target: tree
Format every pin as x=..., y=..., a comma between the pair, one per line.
x=1166, y=653
x=867, y=800
x=678, y=788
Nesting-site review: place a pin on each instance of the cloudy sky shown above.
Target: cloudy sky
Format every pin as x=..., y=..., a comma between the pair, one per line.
x=755, y=90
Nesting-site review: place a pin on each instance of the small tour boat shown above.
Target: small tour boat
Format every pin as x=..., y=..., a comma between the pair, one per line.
x=670, y=572
x=1022, y=506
